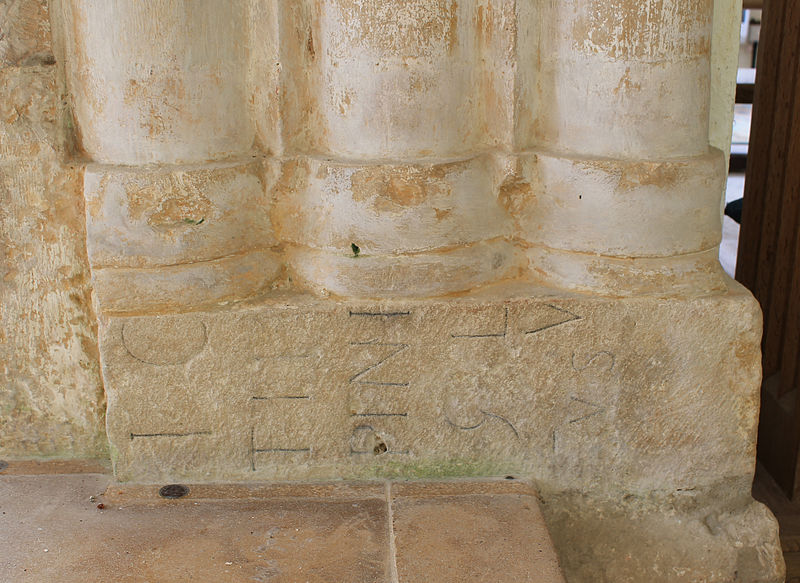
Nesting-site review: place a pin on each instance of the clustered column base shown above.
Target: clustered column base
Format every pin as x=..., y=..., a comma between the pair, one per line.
x=632, y=415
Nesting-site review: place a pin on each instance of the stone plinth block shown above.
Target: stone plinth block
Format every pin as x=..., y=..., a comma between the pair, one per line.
x=602, y=395
x=624, y=413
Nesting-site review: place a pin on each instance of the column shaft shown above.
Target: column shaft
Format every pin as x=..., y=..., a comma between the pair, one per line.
x=177, y=213
x=390, y=189
x=621, y=193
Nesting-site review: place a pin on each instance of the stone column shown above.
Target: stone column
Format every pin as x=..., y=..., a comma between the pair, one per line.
x=387, y=189
x=176, y=210
x=621, y=190
x=422, y=148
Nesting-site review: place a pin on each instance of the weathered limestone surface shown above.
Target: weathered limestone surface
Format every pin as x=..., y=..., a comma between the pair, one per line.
x=173, y=88
x=712, y=536
x=387, y=131
x=647, y=400
x=605, y=395
x=51, y=396
x=413, y=154
x=179, y=236
x=616, y=61
x=30, y=113
x=26, y=38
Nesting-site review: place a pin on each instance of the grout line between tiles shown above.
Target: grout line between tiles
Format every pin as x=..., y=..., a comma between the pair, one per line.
x=392, y=549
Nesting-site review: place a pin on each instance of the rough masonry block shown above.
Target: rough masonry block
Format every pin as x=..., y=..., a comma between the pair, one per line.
x=605, y=395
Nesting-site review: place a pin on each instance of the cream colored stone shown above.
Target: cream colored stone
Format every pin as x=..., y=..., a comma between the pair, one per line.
x=581, y=393
x=147, y=217
x=30, y=113
x=620, y=276
x=172, y=90
x=264, y=88
x=186, y=286
x=714, y=536
x=414, y=149
x=386, y=80
x=389, y=208
x=51, y=400
x=724, y=64
x=603, y=67
x=25, y=38
x=438, y=273
x=619, y=208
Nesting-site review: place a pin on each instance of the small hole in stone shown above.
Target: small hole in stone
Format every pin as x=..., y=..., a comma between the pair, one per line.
x=510, y=478
x=356, y=249
x=3, y=465
x=380, y=448
x=173, y=491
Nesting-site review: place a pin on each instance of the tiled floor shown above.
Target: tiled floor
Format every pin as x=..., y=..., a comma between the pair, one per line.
x=80, y=527
x=788, y=514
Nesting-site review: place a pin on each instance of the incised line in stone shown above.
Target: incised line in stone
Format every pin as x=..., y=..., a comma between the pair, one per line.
x=188, y=434
x=254, y=450
x=380, y=314
x=572, y=318
x=593, y=358
x=598, y=409
x=283, y=398
x=128, y=350
x=399, y=348
x=496, y=335
x=379, y=415
x=485, y=414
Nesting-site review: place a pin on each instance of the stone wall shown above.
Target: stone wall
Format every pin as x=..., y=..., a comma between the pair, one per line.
x=51, y=395
x=52, y=400
x=361, y=238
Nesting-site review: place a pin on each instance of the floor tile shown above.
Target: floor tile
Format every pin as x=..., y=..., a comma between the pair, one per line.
x=494, y=538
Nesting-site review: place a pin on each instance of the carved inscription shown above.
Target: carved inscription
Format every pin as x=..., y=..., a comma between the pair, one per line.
x=379, y=314
x=581, y=409
x=563, y=317
x=169, y=434
x=501, y=334
x=163, y=341
x=283, y=417
x=486, y=417
x=381, y=394
x=366, y=377
x=373, y=393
